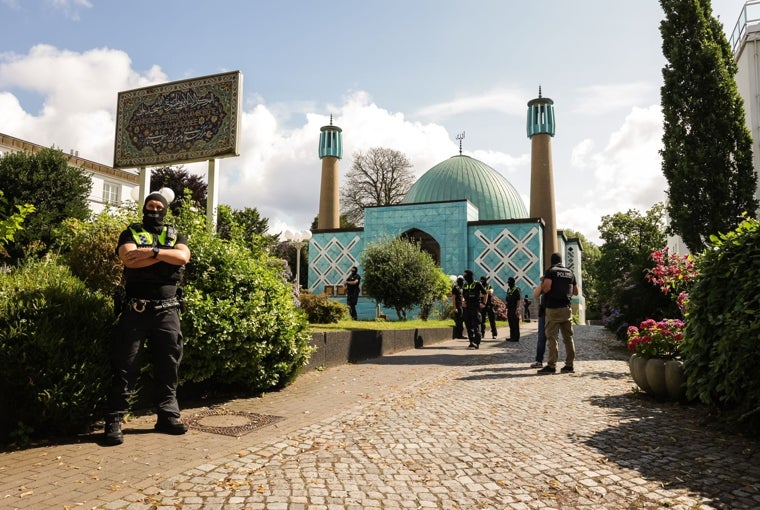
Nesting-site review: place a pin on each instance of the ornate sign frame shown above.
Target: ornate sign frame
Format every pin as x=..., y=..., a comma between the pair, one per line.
x=179, y=122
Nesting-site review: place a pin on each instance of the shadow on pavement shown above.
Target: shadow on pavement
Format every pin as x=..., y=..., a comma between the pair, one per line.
x=673, y=445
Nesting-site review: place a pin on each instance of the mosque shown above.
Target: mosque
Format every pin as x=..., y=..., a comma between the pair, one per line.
x=463, y=212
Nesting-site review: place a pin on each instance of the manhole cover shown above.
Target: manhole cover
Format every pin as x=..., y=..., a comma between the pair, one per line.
x=229, y=423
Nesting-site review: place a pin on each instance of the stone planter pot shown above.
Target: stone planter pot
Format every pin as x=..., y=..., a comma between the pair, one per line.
x=663, y=379
x=638, y=367
x=675, y=380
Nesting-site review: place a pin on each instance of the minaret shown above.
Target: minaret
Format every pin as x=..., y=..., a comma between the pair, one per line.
x=540, y=132
x=330, y=151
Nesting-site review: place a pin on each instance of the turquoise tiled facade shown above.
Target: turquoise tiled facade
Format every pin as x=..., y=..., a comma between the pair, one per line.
x=463, y=212
x=494, y=249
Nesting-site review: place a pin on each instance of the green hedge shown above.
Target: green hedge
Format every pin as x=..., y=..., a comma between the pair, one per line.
x=722, y=332
x=54, y=334
x=242, y=326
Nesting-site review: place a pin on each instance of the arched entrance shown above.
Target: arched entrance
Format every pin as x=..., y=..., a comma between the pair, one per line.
x=426, y=241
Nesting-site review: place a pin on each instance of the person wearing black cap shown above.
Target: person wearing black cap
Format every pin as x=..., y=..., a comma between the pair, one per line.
x=154, y=257
x=559, y=286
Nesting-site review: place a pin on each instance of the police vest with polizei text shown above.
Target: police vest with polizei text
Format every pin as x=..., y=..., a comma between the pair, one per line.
x=167, y=238
x=158, y=274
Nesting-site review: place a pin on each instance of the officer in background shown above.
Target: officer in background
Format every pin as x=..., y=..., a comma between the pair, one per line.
x=559, y=286
x=513, y=302
x=154, y=256
x=456, y=296
x=473, y=301
x=488, y=311
x=353, y=283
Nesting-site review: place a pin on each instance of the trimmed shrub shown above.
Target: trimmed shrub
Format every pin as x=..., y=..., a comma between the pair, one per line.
x=241, y=326
x=54, y=336
x=723, y=327
x=321, y=310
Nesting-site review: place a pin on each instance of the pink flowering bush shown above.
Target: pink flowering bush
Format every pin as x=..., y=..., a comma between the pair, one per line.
x=653, y=339
x=674, y=274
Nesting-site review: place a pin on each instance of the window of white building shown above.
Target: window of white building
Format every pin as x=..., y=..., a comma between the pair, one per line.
x=111, y=193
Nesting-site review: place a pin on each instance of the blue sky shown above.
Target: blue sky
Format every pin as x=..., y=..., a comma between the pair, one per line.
x=403, y=74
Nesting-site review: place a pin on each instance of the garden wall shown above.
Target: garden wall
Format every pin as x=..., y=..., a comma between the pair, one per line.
x=335, y=348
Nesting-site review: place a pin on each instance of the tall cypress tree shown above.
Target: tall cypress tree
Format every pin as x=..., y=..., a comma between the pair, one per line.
x=707, y=148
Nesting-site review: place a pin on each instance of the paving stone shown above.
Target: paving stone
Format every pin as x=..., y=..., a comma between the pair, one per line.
x=437, y=427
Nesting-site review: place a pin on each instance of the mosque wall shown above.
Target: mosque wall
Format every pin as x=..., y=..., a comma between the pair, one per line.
x=495, y=249
x=445, y=222
x=331, y=256
x=501, y=250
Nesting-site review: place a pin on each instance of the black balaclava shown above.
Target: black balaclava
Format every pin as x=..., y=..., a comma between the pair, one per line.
x=468, y=276
x=154, y=220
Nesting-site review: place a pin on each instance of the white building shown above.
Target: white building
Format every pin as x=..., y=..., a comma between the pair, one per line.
x=109, y=185
x=745, y=42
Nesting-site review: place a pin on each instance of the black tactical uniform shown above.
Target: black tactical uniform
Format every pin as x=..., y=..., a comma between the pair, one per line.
x=149, y=310
x=472, y=294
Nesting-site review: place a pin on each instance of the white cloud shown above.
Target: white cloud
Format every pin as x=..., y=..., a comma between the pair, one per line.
x=509, y=101
x=70, y=8
x=625, y=175
x=278, y=171
x=603, y=99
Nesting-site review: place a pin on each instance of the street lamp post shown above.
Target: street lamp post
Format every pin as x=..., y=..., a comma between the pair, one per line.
x=299, y=240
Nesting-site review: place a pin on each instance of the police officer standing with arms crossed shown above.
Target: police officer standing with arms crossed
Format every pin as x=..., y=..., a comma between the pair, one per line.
x=154, y=256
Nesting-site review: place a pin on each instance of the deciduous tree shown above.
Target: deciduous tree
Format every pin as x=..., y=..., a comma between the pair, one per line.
x=629, y=239
x=381, y=176
x=179, y=179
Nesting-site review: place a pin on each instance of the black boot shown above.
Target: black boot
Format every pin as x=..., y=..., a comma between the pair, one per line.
x=112, y=435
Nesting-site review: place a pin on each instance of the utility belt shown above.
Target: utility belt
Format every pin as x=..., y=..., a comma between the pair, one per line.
x=123, y=303
x=140, y=305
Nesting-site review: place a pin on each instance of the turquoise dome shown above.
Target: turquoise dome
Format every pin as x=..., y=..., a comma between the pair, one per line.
x=462, y=177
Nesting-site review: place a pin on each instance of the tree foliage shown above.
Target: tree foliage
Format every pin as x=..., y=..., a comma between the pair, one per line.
x=179, y=180
x=344, y=222
x=399, y=275
x=88, y=247
x=13, y=223
x=242, y=326
x=629, y=239
x=381, y=176
x=45, y=180
x=707, y=148
x=246, y=225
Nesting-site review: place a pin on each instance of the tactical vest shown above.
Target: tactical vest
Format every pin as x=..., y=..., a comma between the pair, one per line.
x=158, y=274
x=167, y=238
x=471, y=293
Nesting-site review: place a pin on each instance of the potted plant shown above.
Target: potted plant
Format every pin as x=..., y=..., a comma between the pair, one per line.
x=655, y=363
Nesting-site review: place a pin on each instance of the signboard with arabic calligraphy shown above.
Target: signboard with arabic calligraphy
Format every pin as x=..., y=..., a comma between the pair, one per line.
x=179, y=122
